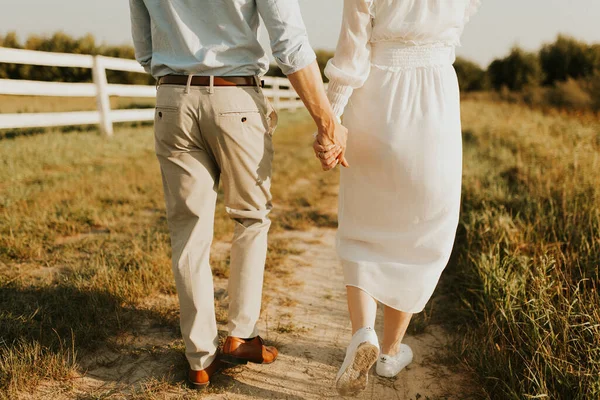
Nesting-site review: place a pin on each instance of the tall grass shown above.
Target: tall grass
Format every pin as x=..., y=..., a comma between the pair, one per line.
x=84, y=245
x=84, y=249
x=527, y=256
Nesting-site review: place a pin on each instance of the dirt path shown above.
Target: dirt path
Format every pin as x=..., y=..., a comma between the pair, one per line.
x=304, y=315
x=313, y=332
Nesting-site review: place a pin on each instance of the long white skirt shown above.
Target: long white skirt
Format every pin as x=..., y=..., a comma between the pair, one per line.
x=399, y=200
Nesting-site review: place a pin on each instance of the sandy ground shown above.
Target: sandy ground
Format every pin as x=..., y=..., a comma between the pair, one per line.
x=314, y=349
x=304, y=315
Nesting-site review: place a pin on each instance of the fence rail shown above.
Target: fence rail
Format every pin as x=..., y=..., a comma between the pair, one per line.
x=278, y=89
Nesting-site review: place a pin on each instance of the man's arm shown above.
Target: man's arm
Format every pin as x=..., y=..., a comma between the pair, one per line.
x=308, y=82
x=295, y=57
x=141, y=32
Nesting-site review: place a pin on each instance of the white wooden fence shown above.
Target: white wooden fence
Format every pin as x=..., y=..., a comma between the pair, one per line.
x=278, y=89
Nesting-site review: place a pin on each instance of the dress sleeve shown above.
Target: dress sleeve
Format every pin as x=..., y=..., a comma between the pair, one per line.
x=472, y=9
x=350, y=67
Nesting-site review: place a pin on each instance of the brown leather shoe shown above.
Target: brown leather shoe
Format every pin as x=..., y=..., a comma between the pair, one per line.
x=242, y=351
x=201, y=379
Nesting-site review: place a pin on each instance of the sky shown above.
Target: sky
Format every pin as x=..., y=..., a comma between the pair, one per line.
x=498, y=26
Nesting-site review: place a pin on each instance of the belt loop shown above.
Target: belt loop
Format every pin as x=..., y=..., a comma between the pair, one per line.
x=189, y=84
x=257, y=84
x=211, y=86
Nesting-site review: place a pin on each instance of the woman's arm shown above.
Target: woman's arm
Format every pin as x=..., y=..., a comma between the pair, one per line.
x=350, y=67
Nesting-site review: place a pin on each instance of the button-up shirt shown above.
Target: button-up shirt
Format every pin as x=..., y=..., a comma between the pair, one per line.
x=217, y=37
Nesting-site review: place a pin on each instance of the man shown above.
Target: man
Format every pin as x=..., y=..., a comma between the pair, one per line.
x=213, y=124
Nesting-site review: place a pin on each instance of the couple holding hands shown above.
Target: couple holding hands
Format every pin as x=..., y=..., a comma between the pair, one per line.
x=393, y=81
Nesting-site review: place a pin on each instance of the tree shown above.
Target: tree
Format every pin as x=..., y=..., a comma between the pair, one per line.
x=568, y=58
x=10, y=40
x=60, y=42
x=471, y=76
x=516, y=71
x=10, y=71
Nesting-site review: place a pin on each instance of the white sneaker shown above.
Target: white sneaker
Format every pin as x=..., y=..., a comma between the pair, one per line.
x=390, y=366
x=361, y=354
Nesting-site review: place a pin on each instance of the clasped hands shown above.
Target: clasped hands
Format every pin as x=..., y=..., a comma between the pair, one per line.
x=330, y=146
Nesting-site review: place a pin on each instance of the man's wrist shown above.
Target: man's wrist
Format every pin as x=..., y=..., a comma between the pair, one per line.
x=326, y=123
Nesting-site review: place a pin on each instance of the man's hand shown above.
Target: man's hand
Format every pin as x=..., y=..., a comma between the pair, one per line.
x=330, y=146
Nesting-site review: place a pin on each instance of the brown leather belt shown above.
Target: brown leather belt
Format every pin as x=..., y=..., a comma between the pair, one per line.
x=205, y=80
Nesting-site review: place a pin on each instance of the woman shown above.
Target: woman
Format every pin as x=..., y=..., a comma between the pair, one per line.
x=392, y=79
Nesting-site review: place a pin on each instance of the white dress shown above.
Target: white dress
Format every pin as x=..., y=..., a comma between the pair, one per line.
x=392, y=79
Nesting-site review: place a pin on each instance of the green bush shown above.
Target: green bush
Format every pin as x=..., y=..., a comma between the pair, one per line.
x=10, y=71
x=516, y=71
x=594, y=90
x=471, y=77
x=568, y=58
x=63, y=43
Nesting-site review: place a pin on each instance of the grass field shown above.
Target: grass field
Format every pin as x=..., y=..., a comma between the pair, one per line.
x=527, y=256
x=84, y=250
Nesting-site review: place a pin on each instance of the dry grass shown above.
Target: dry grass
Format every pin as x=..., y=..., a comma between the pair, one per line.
x=84, y=254
x=37, y=104
x=290, y=327
x=84, y=247
x=528, y=252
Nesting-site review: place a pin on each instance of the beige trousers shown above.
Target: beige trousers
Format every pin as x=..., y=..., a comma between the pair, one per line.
x=205, y=135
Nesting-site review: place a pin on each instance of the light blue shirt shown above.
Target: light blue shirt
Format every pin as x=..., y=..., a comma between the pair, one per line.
x=217, y=37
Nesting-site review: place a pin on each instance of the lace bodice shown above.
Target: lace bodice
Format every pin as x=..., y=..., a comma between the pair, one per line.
x=410, y=22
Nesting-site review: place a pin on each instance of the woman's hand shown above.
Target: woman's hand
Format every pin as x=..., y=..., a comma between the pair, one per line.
x=327, y=154
x=330, y=146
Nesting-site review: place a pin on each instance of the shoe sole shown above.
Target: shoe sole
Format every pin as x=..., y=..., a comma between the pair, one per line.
x=198, y=386
x=241, y=361
x=233, y=360
x=355, y=378
x=390, y=376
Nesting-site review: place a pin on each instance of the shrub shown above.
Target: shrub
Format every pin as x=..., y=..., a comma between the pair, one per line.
x=569, y=94
x=471, y=76
x=516, y=71
x=62, y=43
x=10, y=71
x=568, y=58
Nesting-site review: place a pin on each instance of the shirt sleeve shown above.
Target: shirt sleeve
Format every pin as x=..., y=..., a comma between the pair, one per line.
x=141, y=33
x=289, y=40
x=350, y=67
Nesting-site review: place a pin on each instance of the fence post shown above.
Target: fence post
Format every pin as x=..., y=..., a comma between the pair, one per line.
x=102, y=97
x=276, y=98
